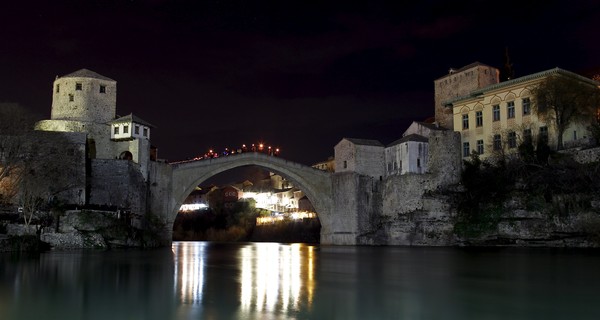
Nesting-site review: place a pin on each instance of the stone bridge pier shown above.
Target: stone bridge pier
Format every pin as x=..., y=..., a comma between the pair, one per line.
x=174, y=182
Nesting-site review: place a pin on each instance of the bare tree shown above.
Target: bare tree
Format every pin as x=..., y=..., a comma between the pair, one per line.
x=53, y=164
x=565, y=100
x=15, y=124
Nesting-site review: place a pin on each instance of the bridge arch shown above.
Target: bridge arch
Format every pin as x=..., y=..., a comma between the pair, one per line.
x=316, y=184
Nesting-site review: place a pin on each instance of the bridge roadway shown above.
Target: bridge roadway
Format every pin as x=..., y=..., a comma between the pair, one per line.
x=316, y=184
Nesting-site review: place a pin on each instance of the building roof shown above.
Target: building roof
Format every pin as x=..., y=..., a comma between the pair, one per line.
x=538, y=75
x=432, y=126
x=132, y=118
x=85, y=73
x=365, y=142
x=467, y=67
x=411, y=137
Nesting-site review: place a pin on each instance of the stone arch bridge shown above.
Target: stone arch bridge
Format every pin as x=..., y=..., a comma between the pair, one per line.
x=316, y=184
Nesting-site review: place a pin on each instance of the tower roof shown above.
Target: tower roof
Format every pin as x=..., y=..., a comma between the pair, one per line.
x=85, y=73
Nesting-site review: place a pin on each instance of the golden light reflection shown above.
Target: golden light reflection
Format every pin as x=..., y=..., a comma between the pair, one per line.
x=276, y=277
x=189, y=271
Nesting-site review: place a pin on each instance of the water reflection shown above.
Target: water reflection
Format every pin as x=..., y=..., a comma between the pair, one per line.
x=272, y=278
x=197, y=280
x=276, y=277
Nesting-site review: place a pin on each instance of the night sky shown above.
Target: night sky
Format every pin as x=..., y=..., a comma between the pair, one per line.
x=300, y=75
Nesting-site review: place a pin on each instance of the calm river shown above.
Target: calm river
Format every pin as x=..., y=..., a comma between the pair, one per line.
x=203, y=280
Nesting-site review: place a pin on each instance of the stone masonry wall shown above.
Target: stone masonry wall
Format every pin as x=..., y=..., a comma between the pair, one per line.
x=117, y=183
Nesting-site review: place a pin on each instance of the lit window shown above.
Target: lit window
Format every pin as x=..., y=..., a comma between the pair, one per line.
x=125, y=129
x=497, y=142
x=480, y=146
x=526, y=106
x=510, y=109
x=78, y=86
x=116, y=130
x=479, y=118
x=465, y=121
x=466, y=149
x=496, y=112
x=102, y=89
x=71, y=97
x=512, y=140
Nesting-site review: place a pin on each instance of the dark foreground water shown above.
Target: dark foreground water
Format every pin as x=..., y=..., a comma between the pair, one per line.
x=199, y=280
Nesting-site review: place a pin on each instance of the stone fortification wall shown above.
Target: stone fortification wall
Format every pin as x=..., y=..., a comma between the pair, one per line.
x=117, y=183
x=159, y=194
x=445, y=162
x=97, y=132
x=357, y=200
x=82, y=99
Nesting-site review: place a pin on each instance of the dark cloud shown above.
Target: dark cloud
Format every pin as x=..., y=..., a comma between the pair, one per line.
x=297, y=74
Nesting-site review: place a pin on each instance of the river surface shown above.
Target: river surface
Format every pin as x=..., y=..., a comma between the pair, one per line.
x=204, y=280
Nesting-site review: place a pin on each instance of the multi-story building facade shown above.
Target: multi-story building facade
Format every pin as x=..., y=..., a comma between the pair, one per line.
x=498, y=117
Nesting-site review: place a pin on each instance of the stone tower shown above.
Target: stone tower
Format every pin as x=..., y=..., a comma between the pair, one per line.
x=459, y=83
x=85, y=96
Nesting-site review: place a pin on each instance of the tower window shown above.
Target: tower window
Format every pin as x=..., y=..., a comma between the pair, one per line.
x=57, y=88
x=78, y=86
x=102, y=89
x=71, y=97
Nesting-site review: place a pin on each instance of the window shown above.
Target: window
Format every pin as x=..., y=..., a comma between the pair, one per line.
x=479, y=118
x=527, y=135
x=418, y=163
x=57, y=88
x=496, y=112
x=574, y=134
x=510, y=109
x=116, y=130
x=497, y=142
x=71, y=97
x=125, y=129
x=544, y=133
x=389, y=167
x=102, y=89
x=136, y=130
x=512, y=140
x=480, y=146
x=395, y=165
x=345, y=164
x=465, y=121
x=466, y=149
x=526, y=106
x=78, y=86
x=145, y=132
